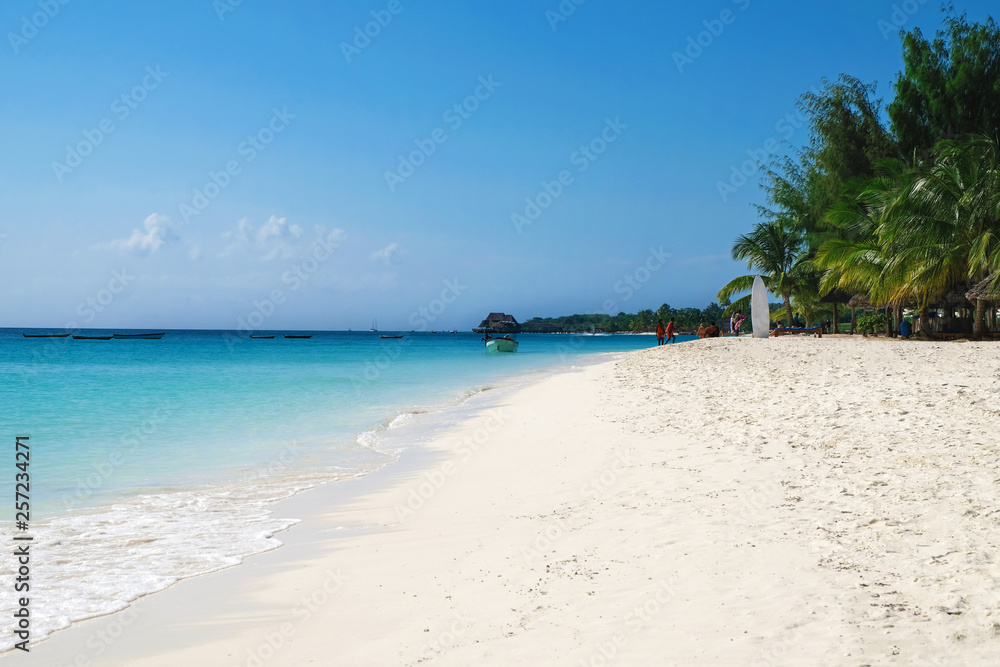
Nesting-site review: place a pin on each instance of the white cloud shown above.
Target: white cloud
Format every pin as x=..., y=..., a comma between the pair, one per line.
x=157, y=233
x=389, y=254
x=274, y=239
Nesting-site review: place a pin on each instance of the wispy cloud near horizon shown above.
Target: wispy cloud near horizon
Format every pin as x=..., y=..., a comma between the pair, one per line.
x=156, y=232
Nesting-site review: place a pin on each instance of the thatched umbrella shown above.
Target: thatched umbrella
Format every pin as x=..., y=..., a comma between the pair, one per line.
x=835, y=297
x=983, y=293
x=981, y=290
x=859, y=301
x=863, y=302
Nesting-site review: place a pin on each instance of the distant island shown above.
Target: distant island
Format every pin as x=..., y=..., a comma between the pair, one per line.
x=685, y=319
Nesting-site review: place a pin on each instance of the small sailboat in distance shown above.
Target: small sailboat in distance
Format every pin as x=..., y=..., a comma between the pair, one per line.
x=374, y=325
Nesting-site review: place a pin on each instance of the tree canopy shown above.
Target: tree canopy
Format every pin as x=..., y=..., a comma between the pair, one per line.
x=902, y=215
x=949, y=87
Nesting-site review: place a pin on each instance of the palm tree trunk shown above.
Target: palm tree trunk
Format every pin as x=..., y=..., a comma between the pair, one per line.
x=854, y=321
x=925, y=323
x=897, y=318
x=979, y=325
x=788, y=308
x=888, y=322
x=836, y=319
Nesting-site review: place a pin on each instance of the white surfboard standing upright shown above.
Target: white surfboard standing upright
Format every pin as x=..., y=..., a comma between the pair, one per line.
x=760, y=313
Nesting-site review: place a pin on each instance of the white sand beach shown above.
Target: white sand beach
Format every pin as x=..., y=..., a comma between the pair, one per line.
x=793, y=501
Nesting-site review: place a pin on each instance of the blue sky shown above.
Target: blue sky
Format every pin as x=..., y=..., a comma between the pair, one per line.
x=192, y=163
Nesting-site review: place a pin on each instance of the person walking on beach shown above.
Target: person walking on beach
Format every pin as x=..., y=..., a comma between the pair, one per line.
x=671, y=332
x=659, y=333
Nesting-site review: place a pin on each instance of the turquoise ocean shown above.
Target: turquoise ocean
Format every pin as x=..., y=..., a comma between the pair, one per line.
x=155, y=460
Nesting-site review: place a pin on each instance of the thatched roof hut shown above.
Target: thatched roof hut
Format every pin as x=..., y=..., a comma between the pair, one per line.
x=952, y=299
x=981, y=290
x=498, y=323
x=836, y=296
x=859, y=301
x=862, y=301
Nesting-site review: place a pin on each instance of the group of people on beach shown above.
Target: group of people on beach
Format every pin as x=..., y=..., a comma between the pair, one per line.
x=668, y=334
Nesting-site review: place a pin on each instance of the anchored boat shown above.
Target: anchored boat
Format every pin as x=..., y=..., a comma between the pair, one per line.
x=504, y=344
x=144, y=336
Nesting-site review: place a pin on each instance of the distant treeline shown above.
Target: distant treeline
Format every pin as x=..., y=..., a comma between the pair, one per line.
x=685, y=319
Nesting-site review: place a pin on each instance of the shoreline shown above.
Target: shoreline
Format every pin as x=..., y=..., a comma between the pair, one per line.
x=406, y=442
x=621, y=512
x=93, y=638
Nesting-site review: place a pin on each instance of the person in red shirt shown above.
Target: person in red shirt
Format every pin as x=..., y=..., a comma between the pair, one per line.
x=712, y=331
x=671, y=332
x=659, y=333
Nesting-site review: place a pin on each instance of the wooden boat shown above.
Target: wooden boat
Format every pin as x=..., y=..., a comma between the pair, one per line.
x=145, y=336
x=505, y=344
x=252, y=336
x=288, y=336
x=92, y=337
x=384, y=336
x=45, y=335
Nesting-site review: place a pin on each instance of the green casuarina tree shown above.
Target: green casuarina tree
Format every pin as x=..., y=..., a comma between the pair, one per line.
x=774, y=251
x=847, y=140
x=949, y=87
x=847, y=137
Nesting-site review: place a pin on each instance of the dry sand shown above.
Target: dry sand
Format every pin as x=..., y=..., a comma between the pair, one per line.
x=793, y=501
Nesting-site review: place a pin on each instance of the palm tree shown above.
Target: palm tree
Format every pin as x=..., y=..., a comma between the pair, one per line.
x=946, y=220
x=983, y=225
x=856, y=256
x=774, y=251
x=914, y=233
